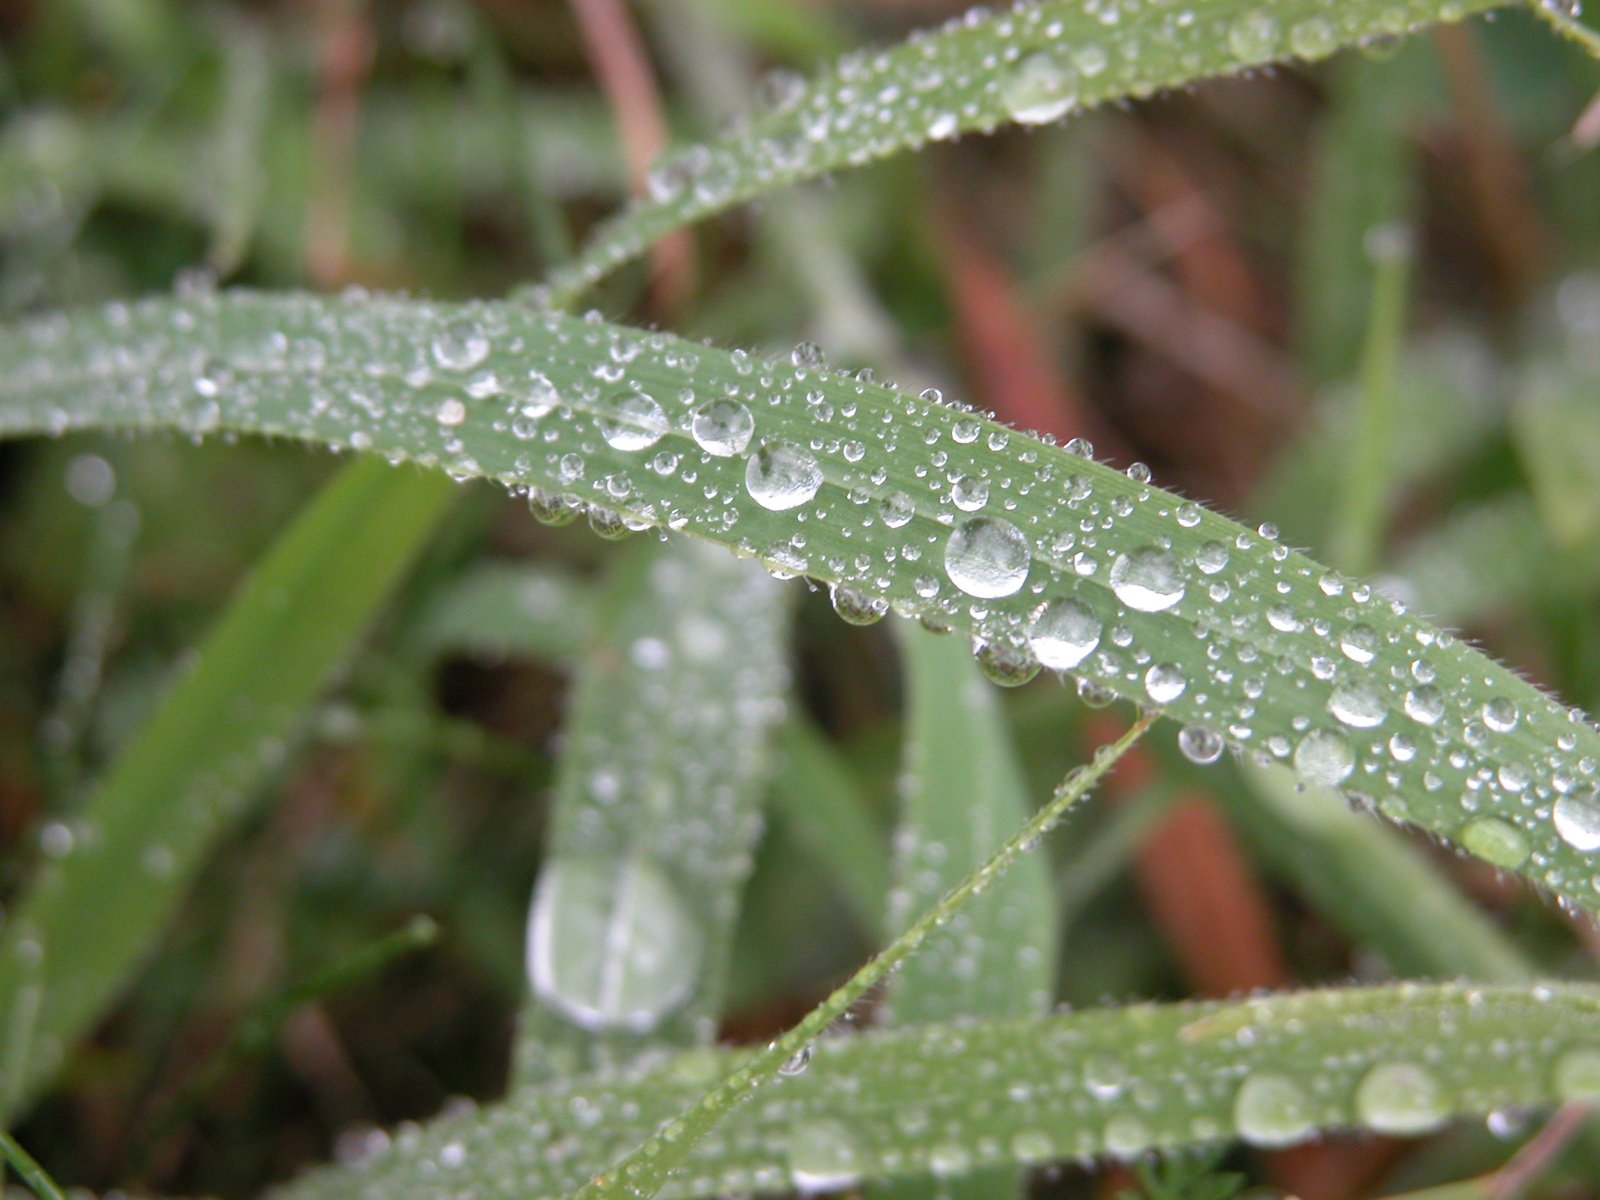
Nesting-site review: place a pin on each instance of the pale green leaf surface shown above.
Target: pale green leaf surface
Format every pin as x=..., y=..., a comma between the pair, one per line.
x=1032, y=64
x=509, y=610
x=90, y=916
x=884, y=1106
x=656, y=811
x=1164, y=601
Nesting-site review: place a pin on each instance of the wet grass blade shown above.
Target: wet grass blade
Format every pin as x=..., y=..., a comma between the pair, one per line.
x=657, y=809
x=1111, y=1082
x=89, y=916
x=898, y=501
x=1032, y=64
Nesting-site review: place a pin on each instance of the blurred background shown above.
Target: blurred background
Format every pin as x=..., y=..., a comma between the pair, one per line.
x=1189, y=282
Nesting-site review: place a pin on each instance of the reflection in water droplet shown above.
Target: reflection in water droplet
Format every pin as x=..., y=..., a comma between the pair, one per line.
x=1577, y=820
x=1323, y=757
x=782, y=475
x=797, y=1062
x=611, y=945
x=857, y=607
x=1164, y=683
x=987, y=557
x=1401, y=1098
x=1063, y=632
x=822, y=1157
x=1148, y=579
x=1272, y=1110
x=1005, y=659
x=1200, y=744
x=722, y=428
x=1041, y=88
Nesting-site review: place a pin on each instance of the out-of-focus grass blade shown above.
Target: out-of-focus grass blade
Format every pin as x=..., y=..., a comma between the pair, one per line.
x=961, y=793
x=222, y=728
x=657, y=809
x=1031, y=64
x=236, y=175
x=509, y=610
x=1400, y=1060
x=1556, y=425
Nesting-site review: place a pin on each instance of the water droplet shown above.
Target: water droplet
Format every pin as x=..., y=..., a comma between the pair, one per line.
x=1313, y=38
x=1147, y=579
x=451, y=411
x=1272, y=1110
x=1500, y=714
x=1401, y=1098
x=896, y=509
x=1424, y=704
x=1577, y=820
x=1211, y=557
x=987, y=557
x=1063, y=632
x=857, y=607
x=460, y=345
x=1323, y=757
x=823, y=1157
x=552, y=508
x=797, y=1062
x=782, y=475
x=1359, y=644
x=1041, y=88
x=1254, y=36
x=1357, y=705
x=1126, y=1136
x=611, y=944
x=969, y=493
x=1578, y=1075
x=722, y=428
x=808, y=356
x=1093, y=693
x=1104, y=1076
x=1164, y=683
x=1495, y=841
x=1200, y=744
x=1005, y=659
x=632, y=421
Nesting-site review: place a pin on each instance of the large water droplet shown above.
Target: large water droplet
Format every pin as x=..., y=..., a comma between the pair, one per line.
x=1577, y=820
x=1063, y=632
x=823, y=1156
x=1500, y=714
x=1323, y=757
x=1272, y=1110
x=632, y=421
x=722, y=427
x=1164, y=683
x=987, y=557
x=611, y=945
x=1148, y=579
x=782, y=475
x=1200, y=744
x=1041, y=88
x=1401, y=1098
x=1424, y=704
x=460, y=345
x=1005, y=659
x=857, y=607
x=1495, y=841
x=1357, y=705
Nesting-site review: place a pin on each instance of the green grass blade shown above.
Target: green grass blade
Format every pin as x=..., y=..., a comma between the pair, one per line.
x=962, y=792
x=502, y=610
x=1031, y=64
x=897, y=500
x=91, y=915
x=657, y=809
x=1112, y=1082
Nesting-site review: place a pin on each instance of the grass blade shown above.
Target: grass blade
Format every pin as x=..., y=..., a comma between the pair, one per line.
x=1109, y=1082
x=89, y=916
x=656, y=810
x=503, y=610
x=1031, y=64
x=897, y=500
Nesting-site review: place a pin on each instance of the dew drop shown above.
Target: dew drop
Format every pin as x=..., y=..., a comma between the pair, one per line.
x=1272, y=1110
x=1424, y=704
x=797, y=1062
x=1401, y=1098
x=896, y=509
x=1040, y=89
x=632, y=421
x=1211, y=557
x=1357, y=705
x=823, y=1157
x=1254, y=36
x=722, y=428
x=1147, y=579
x=1005, y=659
x=969, y=493
x=1062, y=633
x=987, y=557
x=1495, y=841
x=1126, y=1136
x=1200, y=743
x=1577, y=820
x=460, y=345
x=857, y=607
x=782, y=475
x=1359, y=644
x=611, y=944
x=451, y=412
x=1500, y=714
x=1104, y=1076
x=1577, y=1075
x=1313, y=38
x=1164, y=683
x=1323, y=757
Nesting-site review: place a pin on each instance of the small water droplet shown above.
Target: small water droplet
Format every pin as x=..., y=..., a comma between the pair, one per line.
x=1104, y=1076
x=1254, y=36
x=1147, y=579
x=1357, y=705
x=857, y=607
x=1401, y=1098
x=896, y=509
x=1063, y=632
x=987, y=557
x=969, y=493
x=1359, y=644
x=797, y=1062
x=1041, y=88
x=1200, y=743
x=782, y=475
x=460, y=345
x=722, y=428
x=1424, y=704
x=1164, y=683
x=1323, y=757
x=632, y=421
x=823, y=1157
x=1005, y=659
x=1500, y=714
x=1577, y=820
x=1313, y=38
x=1272, y=1110
x=1126, y=1136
